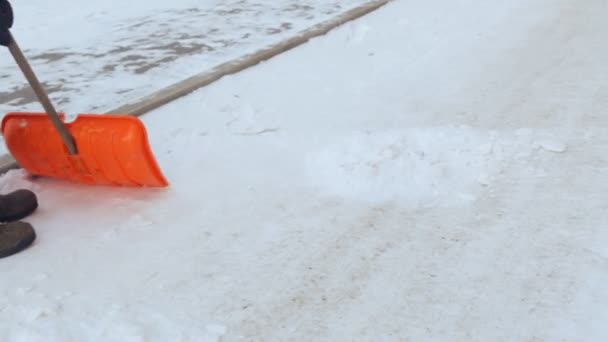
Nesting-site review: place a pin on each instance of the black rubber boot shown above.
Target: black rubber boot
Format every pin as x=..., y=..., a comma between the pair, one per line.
x=17, y=205
x=15, y=237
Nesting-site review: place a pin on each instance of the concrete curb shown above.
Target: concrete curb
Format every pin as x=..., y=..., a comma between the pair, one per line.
x=187, y=86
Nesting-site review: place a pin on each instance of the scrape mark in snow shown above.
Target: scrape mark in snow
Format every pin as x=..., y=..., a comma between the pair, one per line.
x=248, y=121
x=261, y=132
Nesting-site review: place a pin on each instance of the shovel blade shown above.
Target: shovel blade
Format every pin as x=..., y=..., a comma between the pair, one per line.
x=112, y=149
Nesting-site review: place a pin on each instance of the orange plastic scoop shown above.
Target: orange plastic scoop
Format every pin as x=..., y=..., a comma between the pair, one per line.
x=112, y=149
x=94, y=149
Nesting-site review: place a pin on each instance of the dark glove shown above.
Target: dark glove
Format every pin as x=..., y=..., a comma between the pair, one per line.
x=6, y=22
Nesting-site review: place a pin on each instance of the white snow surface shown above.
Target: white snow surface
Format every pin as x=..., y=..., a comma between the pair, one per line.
x=434, y=171
x=97, y=56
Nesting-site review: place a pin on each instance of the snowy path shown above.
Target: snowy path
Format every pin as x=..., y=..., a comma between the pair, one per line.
x=432, y=172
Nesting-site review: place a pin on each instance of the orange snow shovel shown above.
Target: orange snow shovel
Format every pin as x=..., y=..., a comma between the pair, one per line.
x=94, y=149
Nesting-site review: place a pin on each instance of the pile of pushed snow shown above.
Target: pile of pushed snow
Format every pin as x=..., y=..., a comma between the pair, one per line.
x=423, y=166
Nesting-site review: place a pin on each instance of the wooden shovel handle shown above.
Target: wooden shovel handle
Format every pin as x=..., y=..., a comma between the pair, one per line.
x=68, y=140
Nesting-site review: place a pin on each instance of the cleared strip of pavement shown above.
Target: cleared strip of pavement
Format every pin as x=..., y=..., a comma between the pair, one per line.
x=187, y=86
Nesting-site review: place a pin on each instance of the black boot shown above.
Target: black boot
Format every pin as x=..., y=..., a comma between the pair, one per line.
x=17, y=205
x=16, y=236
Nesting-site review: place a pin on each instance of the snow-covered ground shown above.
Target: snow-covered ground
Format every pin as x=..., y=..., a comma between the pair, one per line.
x=432, y=172
x=97, y=56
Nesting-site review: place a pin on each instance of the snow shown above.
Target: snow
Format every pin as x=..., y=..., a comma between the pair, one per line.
x=431, y=172
x=145, y=44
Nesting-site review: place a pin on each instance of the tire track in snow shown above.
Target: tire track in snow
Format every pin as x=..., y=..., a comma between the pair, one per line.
x=323, y=282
